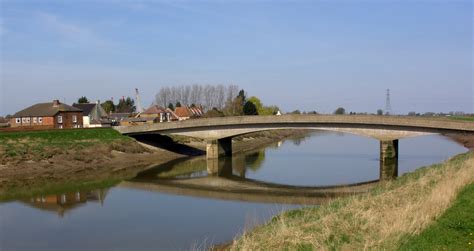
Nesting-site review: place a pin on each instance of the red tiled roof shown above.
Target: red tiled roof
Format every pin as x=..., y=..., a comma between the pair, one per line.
x=182, y=112
x=154, y=110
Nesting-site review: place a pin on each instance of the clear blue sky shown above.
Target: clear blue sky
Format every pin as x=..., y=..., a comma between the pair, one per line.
x=305, y=55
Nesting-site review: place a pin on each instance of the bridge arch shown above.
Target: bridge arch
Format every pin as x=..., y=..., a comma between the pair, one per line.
x=218, y=132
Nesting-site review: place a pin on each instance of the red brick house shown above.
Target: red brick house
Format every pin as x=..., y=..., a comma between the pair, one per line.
x=186, y=112
x=161, y=114
x=48, y=115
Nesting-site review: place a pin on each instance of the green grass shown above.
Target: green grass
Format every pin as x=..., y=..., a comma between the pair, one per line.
x=454, y=230
x=44, y=144
x=463, y=118
x=102, y=134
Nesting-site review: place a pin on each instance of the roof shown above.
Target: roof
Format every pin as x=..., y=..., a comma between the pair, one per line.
x=86, y=108
x=93, y=110
x=45, y=110
x=182, y=112
x=154, y=109
x=119, y=116
x=196, y=111
x=186, y=111
x=172, y=113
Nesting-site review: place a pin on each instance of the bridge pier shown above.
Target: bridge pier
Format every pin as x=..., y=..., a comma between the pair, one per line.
x=388, y=159
x=219, y=167
x=219, y=147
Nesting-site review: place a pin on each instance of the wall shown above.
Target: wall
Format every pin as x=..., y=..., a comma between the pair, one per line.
x=67, y=121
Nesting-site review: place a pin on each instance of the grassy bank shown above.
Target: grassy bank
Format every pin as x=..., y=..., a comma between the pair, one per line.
x=382, y=219
x=39, y=145
x=454, y=230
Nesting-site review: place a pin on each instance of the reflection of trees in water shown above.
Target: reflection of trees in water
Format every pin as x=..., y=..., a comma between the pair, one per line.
x=255, y=160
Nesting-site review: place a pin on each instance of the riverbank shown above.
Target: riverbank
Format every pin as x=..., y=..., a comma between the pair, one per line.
x=45, y=161
x=385, y=218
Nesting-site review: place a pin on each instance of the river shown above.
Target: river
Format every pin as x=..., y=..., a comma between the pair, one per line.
x=177, y=206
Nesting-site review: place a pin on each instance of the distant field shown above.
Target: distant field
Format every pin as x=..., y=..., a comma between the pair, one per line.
x=465, y=118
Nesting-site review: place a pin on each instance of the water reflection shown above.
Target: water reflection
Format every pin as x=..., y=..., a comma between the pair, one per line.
x=225, y=178
x=66, y=202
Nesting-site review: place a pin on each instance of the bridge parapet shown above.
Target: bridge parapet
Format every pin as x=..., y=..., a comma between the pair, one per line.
x=379, y=127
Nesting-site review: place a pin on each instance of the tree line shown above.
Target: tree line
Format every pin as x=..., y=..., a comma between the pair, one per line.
x=217, y=100
x=208, y=96
x=125, y=105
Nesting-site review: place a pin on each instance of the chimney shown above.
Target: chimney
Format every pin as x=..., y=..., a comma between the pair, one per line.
x=56, y=103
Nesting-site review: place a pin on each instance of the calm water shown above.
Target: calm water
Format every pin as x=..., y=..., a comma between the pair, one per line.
x=168, y=208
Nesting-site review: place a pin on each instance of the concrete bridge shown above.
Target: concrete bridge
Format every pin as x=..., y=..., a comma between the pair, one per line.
x=218, y=132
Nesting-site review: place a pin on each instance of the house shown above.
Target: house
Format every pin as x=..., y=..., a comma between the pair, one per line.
x=4, y=122
x=117, y=118
x=94, y=115
x=65, y=202
x=155, y=111
x=186, y=112
x=48, y=116
x=173, y=115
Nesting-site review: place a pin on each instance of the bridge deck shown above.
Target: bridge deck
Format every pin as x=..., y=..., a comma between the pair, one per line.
x=249, y=123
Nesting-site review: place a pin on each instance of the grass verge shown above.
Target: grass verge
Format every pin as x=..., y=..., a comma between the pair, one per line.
x=381, y=219
x=454, y=230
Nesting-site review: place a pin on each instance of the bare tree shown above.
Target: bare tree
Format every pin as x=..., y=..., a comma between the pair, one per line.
x=209, y=96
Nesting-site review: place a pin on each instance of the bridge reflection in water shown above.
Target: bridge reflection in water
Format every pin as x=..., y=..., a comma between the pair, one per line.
x=225, y=179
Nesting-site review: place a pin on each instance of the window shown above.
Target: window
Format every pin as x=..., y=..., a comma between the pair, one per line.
x=23, y=120
x=60, y=126
x=35, y=120
x=28, y=120
x=74, y=118
x=60, y=119
x=40, y=120
x=18, y=120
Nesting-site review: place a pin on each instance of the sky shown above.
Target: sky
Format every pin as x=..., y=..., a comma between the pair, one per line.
x=307, y=55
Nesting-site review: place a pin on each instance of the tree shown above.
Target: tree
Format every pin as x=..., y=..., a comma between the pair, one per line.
x=269, y=110
x=214, y=112
x=340, y=111
x=296, y=112
x=178, y=104
x=379, y=112
x=126, y=105
x=250, y=108
x=83, y=100
x=171, y=106
x=108, y=106
x=242, y=95
x=258, y=104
